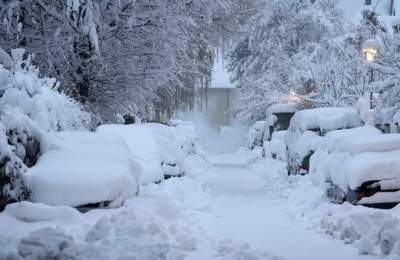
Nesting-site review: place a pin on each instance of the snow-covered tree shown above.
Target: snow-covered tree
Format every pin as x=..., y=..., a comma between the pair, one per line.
x=277, y=53
x=122, y=57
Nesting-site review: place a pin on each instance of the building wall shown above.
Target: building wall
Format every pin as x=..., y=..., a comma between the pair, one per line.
x=217, y=103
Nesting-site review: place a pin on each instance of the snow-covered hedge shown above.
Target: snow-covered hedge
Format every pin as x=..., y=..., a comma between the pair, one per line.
x=29, y=106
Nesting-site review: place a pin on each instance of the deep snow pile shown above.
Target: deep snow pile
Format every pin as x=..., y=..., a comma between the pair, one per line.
x=29, y=106
x=80, y=168
x=154, y=225
x=371, y=231
x=159, y=149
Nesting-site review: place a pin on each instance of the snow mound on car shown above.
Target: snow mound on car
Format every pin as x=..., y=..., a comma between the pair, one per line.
x=142, y=145
x=37, y=212
x=79, y=168
x=159, y=149
x=326, y=118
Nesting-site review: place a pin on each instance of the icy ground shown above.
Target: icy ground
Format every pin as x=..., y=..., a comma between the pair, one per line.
x=231, y=209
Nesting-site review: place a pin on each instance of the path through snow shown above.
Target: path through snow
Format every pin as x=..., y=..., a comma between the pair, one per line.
x=246, y=211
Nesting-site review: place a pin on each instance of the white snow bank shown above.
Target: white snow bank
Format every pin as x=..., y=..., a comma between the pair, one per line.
x=326, y=119
x=48, y=243
x=78, y=168
x=37, y=212
x=373, y=232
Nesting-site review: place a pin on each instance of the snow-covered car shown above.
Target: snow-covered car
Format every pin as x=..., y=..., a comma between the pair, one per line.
x=362, y=167
x=278, y=118
x=83, y=168
x=276, y=147
x=159, y=149
x=307, y=128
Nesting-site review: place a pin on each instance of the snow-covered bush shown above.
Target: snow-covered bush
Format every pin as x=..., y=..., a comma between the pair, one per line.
x=48, y=243
x=29, y=106
x=255, y=136
x=186, y=134
x=12, y=167
x=38, y=97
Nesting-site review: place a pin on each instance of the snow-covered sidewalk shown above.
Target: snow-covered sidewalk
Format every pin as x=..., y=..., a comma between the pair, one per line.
x=246, y=209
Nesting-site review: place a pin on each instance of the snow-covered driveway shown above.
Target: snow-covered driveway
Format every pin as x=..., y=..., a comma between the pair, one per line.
x=245, y=209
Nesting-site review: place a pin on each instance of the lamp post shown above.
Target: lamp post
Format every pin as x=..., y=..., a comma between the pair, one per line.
x=370, y=51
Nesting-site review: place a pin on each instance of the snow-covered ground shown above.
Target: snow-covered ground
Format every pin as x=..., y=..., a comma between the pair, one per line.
x=230, y=206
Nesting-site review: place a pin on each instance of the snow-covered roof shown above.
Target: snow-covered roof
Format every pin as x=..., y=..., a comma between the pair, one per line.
x=283, y=108
x=220, y=77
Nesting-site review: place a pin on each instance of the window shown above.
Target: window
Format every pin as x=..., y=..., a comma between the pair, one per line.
x=368, y=2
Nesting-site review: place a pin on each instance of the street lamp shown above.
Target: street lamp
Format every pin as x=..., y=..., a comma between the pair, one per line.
x=292, y=97
x=370, y=51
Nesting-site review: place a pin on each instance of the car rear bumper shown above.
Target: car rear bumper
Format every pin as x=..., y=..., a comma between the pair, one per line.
x=368, y=198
